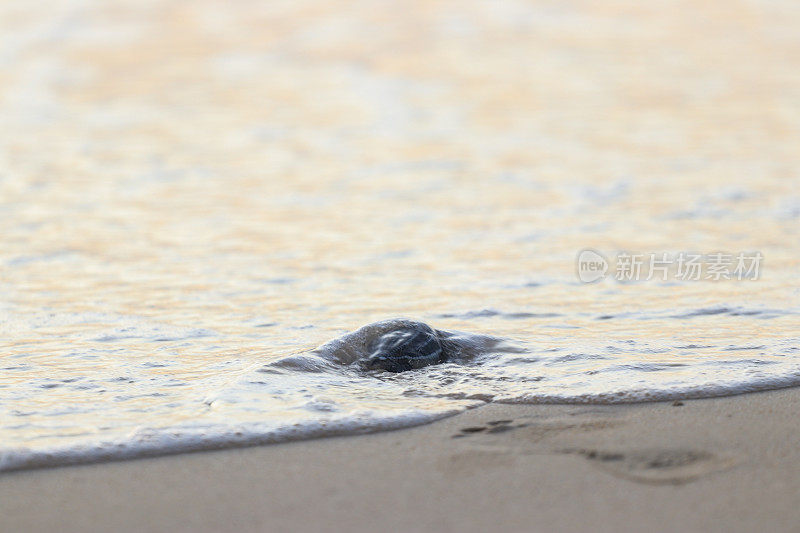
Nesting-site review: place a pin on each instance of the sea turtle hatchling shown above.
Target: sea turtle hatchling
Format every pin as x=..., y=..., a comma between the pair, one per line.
x=408, y=347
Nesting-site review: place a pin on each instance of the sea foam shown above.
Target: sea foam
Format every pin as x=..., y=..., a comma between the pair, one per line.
x=324, y=391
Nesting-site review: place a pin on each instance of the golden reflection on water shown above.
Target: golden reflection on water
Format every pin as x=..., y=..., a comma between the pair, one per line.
x=238, y=183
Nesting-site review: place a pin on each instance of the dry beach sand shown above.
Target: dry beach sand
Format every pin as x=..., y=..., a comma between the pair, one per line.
x=726, y=464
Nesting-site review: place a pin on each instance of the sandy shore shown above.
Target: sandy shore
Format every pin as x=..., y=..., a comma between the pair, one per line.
x=728, y=464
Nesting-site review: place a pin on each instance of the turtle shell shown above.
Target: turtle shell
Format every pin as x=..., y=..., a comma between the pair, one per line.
x=405, y=348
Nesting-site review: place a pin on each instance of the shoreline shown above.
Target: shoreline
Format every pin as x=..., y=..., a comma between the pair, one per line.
x=43, y=460
x=727, y=463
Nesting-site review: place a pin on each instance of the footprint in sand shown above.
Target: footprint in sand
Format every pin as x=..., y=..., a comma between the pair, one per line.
x=495, y=426
x=532, y=430
x=657, y=466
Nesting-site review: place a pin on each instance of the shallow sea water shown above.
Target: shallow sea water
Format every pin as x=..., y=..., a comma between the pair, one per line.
x=194, y=198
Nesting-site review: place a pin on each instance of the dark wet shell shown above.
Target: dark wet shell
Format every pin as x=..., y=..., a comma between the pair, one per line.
x=405, y=348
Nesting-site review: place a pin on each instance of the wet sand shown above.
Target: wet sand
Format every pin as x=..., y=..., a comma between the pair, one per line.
x=726, y=464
